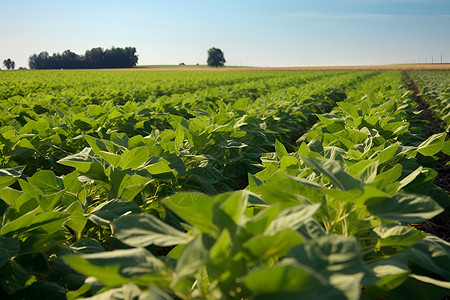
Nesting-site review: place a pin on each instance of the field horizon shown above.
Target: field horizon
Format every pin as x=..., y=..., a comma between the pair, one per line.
x=387, y=67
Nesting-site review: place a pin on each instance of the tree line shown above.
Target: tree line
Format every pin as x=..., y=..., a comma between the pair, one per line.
x=9, y=64
x=96, y=58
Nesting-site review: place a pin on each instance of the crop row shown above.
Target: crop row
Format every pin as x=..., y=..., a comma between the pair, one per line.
x=317, y=223
x=435, y=90
x=96, y=201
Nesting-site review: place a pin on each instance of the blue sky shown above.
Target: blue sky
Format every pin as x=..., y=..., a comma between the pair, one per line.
x=252, y=32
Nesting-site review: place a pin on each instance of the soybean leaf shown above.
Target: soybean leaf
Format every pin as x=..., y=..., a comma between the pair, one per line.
x=129, y=291
x=397, y=235
x=432, y=254
x=446, y=147
x=118, y=267
x=336, y=258
x=110, y=210
x=195, y=208
x=263, y=247
x=47, y=181
x=145, y=230
x=292, y=217
x=47, y=222
x=131, y=159
x=408, y=208
x=280, y=149
x=335, y=173
x=9, y=176
x=272, y=281
x=432, y=145
x=86, y=246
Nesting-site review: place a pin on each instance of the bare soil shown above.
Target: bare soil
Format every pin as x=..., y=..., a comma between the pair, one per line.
x=439, y=226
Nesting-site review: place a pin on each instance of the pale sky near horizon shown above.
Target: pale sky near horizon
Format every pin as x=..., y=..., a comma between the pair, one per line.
x=249, y=32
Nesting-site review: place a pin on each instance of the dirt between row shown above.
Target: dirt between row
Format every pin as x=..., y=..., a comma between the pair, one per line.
x=439, y=226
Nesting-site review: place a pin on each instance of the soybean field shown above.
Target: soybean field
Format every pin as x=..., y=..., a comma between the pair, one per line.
x=224, y=185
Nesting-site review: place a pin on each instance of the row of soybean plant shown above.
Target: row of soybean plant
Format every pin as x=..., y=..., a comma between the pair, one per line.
x=330, y=220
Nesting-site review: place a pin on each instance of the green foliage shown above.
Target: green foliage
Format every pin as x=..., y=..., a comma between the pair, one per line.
x=191, y=186
x=434, y=88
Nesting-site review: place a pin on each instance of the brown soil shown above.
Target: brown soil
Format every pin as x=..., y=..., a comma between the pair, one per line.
x=439, y=226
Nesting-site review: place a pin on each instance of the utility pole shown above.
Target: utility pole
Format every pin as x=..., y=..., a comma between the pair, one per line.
x=441, y=58
x=431, y=58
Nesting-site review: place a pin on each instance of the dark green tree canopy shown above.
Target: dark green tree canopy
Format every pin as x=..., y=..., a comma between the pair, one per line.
x=215, y=58
x=93, y=59
x=9, y=64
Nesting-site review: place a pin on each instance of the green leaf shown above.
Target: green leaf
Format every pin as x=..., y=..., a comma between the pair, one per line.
x=87, y=246
x=112, y=158
x=128, y=291
x=233, y=204
x=397, y=235
x=76, y=219
x=241, y=104
x=408, y=208
x=145, y=230
x=110, y=210
x=292, y=217
x=9, y=176
x=160, y=167
x=47, y=181
x=194, y=208
x=9, y=195
x=288, y=162
x=334, y=171
x=280, y=149
x=47, y=222
x=391, y=271
x=432, y=254
x=432, y=145
x=132, y=185
x=87, y=163
x=132, y=159
x=387, y=153
x=19, y=223
x=446, y=147
x=411, y=176
x=387, y=177
x=193, y=257
x=221, y=250
x=118, y=267
x=263, y=247
x=349, y=108
x=337, y=258
x=292, y=278
x=120, y=139
x=230, y=144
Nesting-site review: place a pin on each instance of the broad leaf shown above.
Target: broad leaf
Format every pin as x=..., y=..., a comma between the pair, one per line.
x=110, y=210
x=145, y=230
x=408, y=208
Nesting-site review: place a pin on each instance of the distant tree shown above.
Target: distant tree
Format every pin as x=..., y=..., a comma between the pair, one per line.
x=94, y=58
x=9, y=64
x=215, y=58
